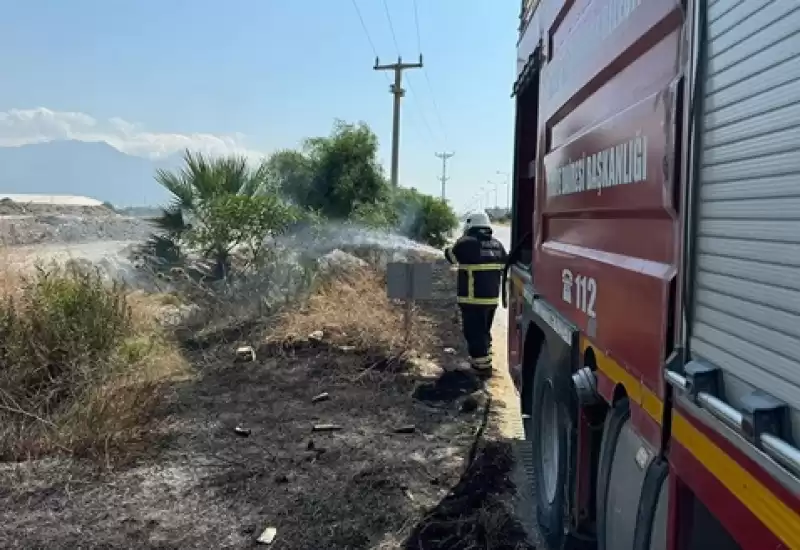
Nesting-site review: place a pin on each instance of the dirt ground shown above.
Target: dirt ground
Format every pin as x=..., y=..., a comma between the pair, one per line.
x=334, y=447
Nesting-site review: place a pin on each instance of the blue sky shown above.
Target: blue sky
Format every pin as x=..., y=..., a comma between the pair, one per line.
x=266, y=74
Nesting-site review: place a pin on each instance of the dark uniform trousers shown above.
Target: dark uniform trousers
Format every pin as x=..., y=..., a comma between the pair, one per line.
x=480, y=259
x=476, y=323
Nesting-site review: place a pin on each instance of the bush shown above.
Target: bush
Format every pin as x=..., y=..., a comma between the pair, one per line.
x=424, y=218
x=63, y=320
x=76, y=365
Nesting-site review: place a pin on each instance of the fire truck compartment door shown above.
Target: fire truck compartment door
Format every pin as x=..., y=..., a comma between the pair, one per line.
x=746, y=279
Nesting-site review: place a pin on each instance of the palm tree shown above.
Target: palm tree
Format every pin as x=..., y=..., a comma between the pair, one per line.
x=201, y=180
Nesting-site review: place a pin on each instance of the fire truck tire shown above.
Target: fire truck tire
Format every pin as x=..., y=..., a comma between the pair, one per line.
x=549, y=434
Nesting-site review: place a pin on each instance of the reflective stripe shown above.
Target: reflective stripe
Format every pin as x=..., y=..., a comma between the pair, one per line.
x=470, y=298
x=478, y=301
x=481, y=267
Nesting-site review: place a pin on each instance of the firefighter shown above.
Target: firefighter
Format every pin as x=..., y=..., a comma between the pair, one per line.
x=480, y=259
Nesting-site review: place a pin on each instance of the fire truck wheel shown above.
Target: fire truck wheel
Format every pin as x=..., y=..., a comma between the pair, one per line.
x=550, y=427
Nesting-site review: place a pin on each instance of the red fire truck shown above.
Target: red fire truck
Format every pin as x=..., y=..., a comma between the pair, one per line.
x=654, y=331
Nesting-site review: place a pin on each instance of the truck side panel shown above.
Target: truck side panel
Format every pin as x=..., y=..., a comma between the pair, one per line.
x=606, y=218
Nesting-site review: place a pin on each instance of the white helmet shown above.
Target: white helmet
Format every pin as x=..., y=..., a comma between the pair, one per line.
x=477, y=219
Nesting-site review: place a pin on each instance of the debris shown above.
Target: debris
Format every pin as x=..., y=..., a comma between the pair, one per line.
x=310, y=445
x=268, y=536
x=407, y=429
x=281, y=478
x=243, y=432
x=347, y=349
x=450, y=351
x=326, y=428
x=317, y=335
x=321, y=397
x=245, y=354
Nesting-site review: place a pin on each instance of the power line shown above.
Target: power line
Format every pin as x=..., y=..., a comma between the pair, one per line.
x=366, y=30
x=391, y=26
x=435, y=105
x=408, y=81
x=386, y=76
x=420, y=111
x=416, y=23
x=369, y=38
x=425, y=73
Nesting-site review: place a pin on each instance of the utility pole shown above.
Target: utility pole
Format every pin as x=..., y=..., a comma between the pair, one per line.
x=397, y=90
x=508, y=188
x=444, y=155
x=490, y=182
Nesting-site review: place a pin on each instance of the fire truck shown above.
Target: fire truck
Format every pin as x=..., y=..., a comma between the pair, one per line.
x=654, y=281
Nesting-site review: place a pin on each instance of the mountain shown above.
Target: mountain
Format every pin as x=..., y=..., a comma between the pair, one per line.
x=92, y=169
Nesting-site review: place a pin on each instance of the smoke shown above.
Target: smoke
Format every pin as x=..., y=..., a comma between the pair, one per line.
x=316, y=240
x=292, y=263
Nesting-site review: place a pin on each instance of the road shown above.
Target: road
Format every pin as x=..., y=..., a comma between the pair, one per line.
x=510, y=418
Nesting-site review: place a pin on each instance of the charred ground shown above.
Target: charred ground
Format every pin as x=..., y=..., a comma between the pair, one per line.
x=401, y=453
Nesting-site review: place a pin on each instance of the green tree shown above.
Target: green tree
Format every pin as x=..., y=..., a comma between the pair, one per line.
x=425, y=218
x=345, y=171
x=221, y=204
x=228, y=222
x=291, y=172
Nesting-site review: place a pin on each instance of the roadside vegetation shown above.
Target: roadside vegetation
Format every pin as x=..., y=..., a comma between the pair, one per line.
x=223, y=204
x=82, y=364
x=283, y=393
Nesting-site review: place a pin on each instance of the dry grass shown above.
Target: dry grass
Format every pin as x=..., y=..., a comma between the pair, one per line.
x=82, y=365
x=351, y=308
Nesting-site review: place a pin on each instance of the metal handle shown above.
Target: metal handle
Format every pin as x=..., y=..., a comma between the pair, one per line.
x=777, y=449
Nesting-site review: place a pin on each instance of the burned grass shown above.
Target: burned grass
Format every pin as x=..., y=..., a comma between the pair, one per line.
x=475, y=514
x=338, y=435
x=382, y=460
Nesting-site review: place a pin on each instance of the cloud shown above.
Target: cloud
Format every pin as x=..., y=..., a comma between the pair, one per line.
x=26, y=126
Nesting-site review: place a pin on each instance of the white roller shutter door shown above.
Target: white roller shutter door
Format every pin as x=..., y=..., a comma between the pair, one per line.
x=747, y=271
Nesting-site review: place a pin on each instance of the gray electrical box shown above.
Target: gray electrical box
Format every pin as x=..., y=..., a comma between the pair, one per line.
x=409, y=281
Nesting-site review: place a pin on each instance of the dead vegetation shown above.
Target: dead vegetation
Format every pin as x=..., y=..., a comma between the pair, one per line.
x=338, y=433
x=81, y=366
x=351, y=309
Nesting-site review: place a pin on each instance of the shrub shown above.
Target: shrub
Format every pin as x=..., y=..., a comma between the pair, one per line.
x=63, y=320
x=78, y=369
x=428, y=219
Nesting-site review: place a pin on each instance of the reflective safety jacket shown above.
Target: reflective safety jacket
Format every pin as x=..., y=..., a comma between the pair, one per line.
x=480, y=259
